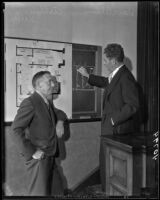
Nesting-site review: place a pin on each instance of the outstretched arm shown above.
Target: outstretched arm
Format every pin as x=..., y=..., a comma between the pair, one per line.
x=94, y=80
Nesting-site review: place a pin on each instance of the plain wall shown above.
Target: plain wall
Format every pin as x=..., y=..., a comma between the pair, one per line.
x=94, y=23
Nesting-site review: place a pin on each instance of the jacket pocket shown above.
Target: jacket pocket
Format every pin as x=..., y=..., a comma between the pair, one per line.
x=31, y=161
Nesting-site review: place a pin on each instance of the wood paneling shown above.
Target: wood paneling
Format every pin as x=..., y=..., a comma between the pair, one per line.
x=127, y=163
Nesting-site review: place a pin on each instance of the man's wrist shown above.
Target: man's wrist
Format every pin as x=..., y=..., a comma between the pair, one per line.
x=60, y=122
x=33, y=156
x=38, y=154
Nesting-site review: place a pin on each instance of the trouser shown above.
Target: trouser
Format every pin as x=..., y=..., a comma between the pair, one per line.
x=102, y=166
x=43, y=176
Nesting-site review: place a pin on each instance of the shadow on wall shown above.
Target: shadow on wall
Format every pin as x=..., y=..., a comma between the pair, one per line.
x=128, y=63
x=59, y=175
x=62, y=155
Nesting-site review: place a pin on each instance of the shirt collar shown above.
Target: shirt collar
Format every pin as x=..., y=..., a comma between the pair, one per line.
x=115, y=71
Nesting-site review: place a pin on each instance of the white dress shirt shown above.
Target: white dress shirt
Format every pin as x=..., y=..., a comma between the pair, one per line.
x=111, y=75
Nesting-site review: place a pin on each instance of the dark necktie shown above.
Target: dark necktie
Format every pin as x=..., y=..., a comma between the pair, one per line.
x=51, y=112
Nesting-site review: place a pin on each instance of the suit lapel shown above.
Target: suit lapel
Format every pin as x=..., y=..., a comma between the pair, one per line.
x=115, y=79
x=40, y=102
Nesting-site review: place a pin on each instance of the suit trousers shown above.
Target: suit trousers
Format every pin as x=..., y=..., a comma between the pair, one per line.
x=43, y=176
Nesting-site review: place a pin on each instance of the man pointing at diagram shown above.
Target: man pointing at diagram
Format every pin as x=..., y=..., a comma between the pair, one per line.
x=120, y=98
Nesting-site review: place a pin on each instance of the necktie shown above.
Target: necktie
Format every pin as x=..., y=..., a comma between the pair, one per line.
x=51, y=112
x=49, y=108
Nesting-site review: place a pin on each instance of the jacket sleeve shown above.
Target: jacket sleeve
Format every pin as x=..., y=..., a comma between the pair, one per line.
x=98, y=81
x=20, y=123
x=130, y=97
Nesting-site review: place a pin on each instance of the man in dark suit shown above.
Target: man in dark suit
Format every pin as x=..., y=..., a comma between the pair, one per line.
x=45, y=125
x=120, y=100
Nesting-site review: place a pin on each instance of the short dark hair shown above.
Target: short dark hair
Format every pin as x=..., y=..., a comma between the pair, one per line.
x=37, y=76
x=114, y=51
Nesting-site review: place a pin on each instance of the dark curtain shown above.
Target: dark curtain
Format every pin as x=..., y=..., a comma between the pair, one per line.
x=147, y=63
x=148, y=76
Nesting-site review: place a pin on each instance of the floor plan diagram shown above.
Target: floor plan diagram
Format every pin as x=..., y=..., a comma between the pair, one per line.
x=31, y=60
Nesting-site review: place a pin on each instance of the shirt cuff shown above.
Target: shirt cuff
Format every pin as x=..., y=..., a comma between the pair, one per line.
x=112, y=122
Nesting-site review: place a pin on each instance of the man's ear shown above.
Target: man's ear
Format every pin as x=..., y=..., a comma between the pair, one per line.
x=114, y=62
x=38, y=84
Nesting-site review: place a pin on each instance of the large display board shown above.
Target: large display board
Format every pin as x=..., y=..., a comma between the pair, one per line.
x=23, y=58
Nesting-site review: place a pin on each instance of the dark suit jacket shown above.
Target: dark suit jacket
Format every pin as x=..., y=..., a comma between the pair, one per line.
x=34, y=115
x=120, y=101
